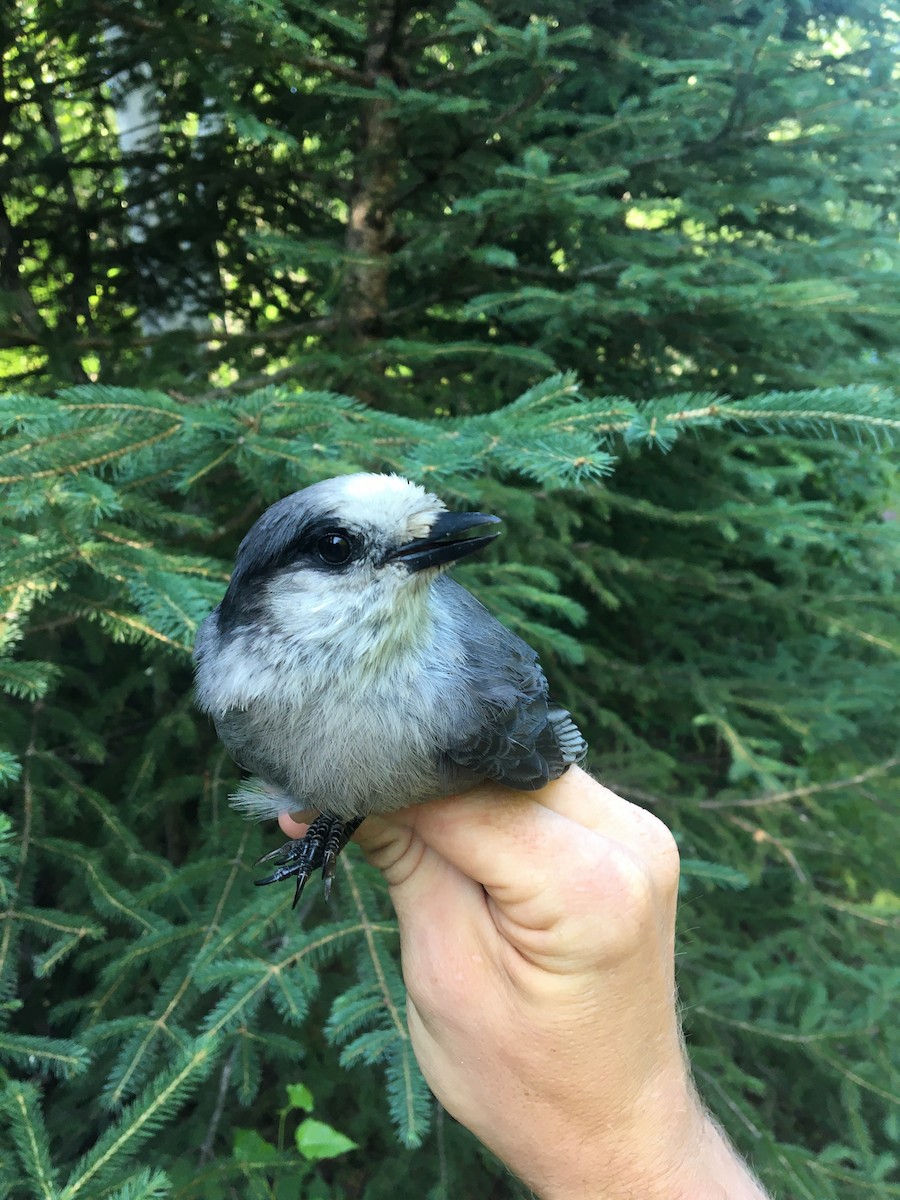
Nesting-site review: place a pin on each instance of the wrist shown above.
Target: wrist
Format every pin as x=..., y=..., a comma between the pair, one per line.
x=672, y=1151
x=716, y=1173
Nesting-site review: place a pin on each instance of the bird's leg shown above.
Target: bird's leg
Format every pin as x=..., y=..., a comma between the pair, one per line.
x=323, y=842
x=337, y=838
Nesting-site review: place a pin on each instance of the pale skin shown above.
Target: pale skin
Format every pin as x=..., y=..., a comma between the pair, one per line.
x=537, y=939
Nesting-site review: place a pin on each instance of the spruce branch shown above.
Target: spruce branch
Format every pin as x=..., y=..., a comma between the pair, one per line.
x=379, y=964
x=110, y=897
x=726, y=549
x=57, y=1056
x=370, y=1019
x=65, y=934
x=13, y=888
x=765, y=837
x=263, y=977
x=146, y=1184
x=21, y=1103
x=799, y=793
x=159, y=1102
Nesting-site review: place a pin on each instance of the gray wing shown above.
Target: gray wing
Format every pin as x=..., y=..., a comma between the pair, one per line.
x=517, y=736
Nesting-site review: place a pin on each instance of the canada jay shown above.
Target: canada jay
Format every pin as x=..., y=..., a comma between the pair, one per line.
x=352, y=676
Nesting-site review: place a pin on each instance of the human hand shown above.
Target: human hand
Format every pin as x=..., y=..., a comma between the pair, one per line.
x=537, y=939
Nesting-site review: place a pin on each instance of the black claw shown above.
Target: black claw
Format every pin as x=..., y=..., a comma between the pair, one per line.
x=284, y=872
x=282, y=854
x=323, y=843
x=298, y=890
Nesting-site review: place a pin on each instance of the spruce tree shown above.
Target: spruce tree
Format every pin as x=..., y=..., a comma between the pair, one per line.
x=625, y=275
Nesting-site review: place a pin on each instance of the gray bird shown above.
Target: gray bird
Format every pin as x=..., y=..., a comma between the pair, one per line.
x=347, y=672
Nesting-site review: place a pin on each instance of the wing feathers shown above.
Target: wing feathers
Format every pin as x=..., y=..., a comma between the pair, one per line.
x=519, y=737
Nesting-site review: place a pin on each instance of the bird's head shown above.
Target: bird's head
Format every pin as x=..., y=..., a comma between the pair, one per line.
x=350, y=548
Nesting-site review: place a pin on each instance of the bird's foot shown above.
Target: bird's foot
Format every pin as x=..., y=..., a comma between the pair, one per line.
x=323, y=843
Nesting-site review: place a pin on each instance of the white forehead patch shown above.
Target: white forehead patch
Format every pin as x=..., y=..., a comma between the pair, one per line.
x=390, y=500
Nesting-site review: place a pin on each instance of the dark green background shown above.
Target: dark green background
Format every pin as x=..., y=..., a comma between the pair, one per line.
x=625, y=274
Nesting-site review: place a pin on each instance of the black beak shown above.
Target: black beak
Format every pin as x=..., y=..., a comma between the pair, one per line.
x=445, y=543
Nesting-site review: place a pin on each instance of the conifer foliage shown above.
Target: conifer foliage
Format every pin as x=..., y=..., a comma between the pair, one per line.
x=624, y=274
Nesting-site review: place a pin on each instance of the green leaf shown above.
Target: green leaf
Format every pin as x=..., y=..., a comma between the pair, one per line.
x=299, y=1096
x=249, y=1145
x=316, y=1140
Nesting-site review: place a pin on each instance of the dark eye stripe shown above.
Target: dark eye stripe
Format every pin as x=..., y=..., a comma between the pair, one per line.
x=270, y=552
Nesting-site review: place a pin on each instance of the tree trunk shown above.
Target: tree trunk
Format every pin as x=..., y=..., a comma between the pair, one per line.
x=370, y=225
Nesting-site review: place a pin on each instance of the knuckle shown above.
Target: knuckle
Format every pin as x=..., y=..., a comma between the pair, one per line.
x=634, y=886
x=666, y=861
x=658, y=850
x=614, y=887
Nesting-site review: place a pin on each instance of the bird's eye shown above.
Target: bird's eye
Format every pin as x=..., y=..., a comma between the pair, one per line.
x=334, y=547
